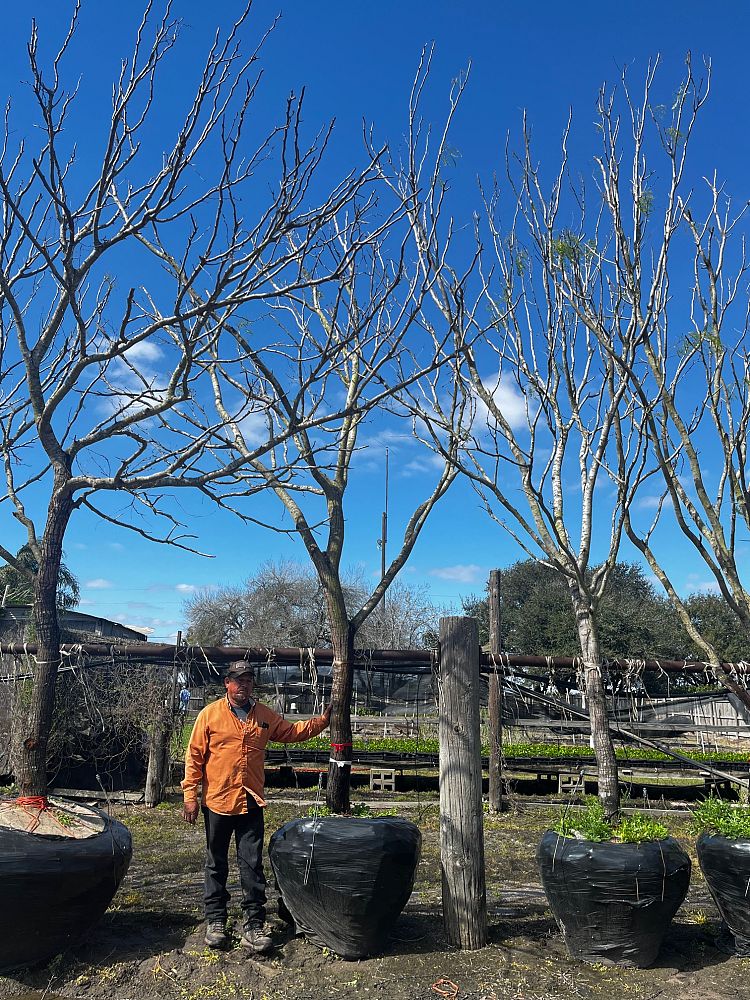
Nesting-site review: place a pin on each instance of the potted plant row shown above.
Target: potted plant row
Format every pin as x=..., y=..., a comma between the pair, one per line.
x=612, y=888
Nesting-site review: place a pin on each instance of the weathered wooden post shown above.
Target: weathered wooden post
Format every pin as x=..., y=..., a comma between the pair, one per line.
x=461, y=820
x=495, y=697
x=157, y=774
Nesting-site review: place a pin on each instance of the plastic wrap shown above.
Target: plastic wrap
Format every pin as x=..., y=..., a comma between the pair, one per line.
x=613, y=902
x=725, y=864
x=54, y=889
x=345, y=881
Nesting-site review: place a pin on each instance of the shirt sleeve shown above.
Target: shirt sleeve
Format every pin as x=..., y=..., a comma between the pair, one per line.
x=195, y=757
x=282, y=731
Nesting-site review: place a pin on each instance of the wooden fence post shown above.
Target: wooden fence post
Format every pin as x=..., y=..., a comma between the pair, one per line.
x=461, y=819
x=159, y=756
x=495, y=697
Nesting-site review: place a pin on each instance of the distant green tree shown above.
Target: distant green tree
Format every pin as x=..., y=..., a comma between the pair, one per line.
x=719, y=624
x=20, y=586
x=537, y=615
x=636, y=620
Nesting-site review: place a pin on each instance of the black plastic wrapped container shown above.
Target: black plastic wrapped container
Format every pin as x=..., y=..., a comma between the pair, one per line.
x=54, y=888
x=613, y=902
x=725, y=864
x=345, y=881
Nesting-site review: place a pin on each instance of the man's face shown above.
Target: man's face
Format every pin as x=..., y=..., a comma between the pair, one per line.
x=240, y=689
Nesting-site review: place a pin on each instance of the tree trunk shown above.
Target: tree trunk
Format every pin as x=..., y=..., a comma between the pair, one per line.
x=339, y=774
x=601, y=737
x=34, y=731
x=461, y=817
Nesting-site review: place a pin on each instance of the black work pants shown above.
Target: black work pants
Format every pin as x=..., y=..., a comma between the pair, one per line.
x=247, y=830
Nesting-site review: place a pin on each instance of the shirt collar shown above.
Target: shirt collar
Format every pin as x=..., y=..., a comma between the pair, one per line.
x=248, y=706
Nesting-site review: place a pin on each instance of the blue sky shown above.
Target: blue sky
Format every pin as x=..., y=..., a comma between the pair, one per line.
x=357, y=61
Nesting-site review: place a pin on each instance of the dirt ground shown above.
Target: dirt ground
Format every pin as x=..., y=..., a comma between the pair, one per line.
x=150, y=942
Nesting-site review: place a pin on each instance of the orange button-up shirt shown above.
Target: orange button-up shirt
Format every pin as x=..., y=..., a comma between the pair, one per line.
x=226, y=757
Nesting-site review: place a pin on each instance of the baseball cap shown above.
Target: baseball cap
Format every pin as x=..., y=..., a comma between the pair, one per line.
x=235, y=670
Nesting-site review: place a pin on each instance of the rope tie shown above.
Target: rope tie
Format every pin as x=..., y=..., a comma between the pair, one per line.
x=36, y=802
x=33, y=802
x=338, y=747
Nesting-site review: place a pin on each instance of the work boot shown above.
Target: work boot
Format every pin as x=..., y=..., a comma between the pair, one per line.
x=216, y=934
x=255, y=938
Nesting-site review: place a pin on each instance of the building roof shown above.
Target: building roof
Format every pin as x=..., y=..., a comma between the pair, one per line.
x=82, y=626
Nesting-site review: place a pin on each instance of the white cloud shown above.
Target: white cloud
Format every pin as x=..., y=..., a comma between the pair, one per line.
x=706, y=587
x=254, y=428
x=429, y=463
x=169, y=588
x=508, y=400
x=134, y=606
x=144, y=351
x=648, y=503
x=694, y=584
x=124, y=401
x=414, y=467
x=388, y=438
x=376, y=444
x=136, y=379
x=461, y=572
x=98, y=584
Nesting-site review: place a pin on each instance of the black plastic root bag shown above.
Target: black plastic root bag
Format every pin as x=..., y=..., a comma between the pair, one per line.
x=613, y=902
x=726, y=866
x=54, y=889
x=345, y=881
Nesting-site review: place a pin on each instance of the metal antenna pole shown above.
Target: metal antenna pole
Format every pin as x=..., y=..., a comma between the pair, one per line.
x=384, y=535
x=384, y=541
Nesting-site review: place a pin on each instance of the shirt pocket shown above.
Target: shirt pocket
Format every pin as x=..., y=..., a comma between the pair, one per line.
x=254, y=738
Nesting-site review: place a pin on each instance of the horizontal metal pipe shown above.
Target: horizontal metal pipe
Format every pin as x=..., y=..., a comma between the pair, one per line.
x=418, y=660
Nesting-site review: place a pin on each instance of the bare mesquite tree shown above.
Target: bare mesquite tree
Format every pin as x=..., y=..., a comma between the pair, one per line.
x=694, y=375
x=554, y=446
x=360, y=343
x=698, y=437
x=613, y=280
x=101, y=378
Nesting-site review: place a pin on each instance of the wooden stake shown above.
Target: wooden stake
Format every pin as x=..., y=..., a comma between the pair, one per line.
x=495, y=697
x=461, y=819
x=159, y=757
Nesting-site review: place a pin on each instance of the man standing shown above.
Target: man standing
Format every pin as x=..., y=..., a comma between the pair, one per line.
x=226, y=756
